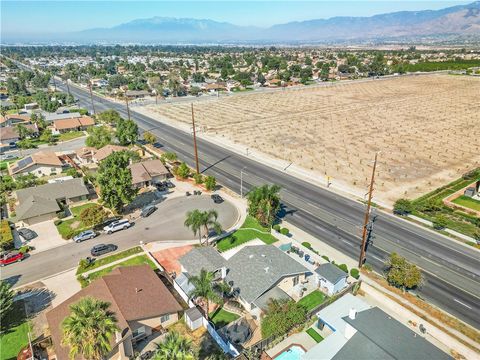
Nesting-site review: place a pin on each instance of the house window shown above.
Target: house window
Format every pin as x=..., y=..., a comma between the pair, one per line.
x=295, y=280
x=164, y=318
x=138, y=332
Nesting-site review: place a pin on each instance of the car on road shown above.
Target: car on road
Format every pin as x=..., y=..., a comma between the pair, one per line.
x=148, y=210
x=117, y=226
x=101, y=249
x=84, y=235
x=217, y=199
x=11, y=257
x=27, y=234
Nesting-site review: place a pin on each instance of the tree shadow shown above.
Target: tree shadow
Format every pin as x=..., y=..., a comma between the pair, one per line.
x=285, y=211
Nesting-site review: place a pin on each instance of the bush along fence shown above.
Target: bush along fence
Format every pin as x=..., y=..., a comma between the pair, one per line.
x=255, y=351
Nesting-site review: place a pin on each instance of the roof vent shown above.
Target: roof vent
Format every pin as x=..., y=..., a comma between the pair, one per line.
x=266, y=269
x=352, y=313
x=250, y=256
x=263, y=255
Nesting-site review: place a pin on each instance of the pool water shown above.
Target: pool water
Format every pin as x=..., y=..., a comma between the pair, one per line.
x=292, y=353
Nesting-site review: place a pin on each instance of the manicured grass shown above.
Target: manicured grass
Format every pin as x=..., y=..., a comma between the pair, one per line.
x=65, y=227
x=250, y=230
x=4, y=164
x=222, y=317
x=109, y=259
x=312, y=300
x=137, y=260
x=78, y=209
x=467, y=202
x=70, y=135
x=16, y=332
x=314, y=335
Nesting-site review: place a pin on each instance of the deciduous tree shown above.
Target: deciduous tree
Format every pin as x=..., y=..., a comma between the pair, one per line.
x=401, y=273
x=127, y=132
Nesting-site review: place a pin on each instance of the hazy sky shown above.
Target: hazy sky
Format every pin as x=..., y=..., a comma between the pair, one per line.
x=27, y=17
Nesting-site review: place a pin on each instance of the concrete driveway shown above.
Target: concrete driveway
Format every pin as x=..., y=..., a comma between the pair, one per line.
x=48, y=237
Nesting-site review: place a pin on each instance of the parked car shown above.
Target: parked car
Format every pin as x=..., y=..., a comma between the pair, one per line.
x=117, y=226
x=84, y=235
x=109, y=221
x=161, y=186
x=148, y=210
x=169, y=184
x=27, y=234
x=11, y=257
x=9, y=157
x=217, y=199
x=101, y=249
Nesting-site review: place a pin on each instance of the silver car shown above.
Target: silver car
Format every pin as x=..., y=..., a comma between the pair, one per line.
x=84, y=235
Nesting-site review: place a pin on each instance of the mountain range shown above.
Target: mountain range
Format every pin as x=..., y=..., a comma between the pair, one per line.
x=461, y=20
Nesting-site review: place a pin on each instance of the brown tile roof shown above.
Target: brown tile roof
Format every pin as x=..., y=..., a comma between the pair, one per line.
x=103, y=152
x=146, y=170
x=64, y=124
x=48, y=158
x=11, y=132
x=134, y=293
x=14, y=116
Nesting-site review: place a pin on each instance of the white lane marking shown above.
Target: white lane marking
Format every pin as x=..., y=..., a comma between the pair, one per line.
x=375, y=257
x=346, y=242
x=461, y=303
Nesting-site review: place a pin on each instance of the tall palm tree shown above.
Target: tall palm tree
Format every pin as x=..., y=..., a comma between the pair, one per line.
x=174, y=347
x=264, y=203
x=88, y=329
x=197, y=219
x=204, y=288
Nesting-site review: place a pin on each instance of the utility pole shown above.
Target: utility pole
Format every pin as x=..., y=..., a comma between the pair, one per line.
x=367, y=215
x=195, y=142
x=91, y=98
x=128, y=107
x=68, y=87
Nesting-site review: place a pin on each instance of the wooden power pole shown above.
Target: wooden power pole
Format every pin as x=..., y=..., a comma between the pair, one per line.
x=91, y=98
x=367, y=215
x=195, y=142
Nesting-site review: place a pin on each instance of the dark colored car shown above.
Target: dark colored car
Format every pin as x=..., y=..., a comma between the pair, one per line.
x=217, y=199
x=169, y=184
x=161, y=187
x=101, y=249
x=27, y=234
x=148, y=210
x=10, y=258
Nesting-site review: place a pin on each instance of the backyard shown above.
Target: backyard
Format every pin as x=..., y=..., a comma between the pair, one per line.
x=312, y=300
x=221, y=317
x=250, y=230
x=468, y=202
x=16, y=328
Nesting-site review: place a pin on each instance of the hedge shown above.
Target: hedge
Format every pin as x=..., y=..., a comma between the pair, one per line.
x=6, y=236
x=284, y=231
x=355, y=273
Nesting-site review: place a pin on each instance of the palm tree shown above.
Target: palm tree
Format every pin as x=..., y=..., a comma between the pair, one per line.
x=88, y=329
x=204, y=288
x=197, y=219
x=174, y=347
x=264, y=203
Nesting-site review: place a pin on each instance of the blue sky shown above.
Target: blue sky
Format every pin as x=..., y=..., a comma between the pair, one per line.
x=27, y=17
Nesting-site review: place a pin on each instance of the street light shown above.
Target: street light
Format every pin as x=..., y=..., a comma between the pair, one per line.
x=241, y=181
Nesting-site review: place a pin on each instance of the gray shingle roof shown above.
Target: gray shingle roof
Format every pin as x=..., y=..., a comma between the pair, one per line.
x=202, y=258
x=255, y=269
x=274, y=293
x=381, y=337
x=35, y=206
x=66, y=189
x=331, y=272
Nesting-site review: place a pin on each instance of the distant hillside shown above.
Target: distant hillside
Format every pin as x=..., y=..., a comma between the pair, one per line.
x=461, y=20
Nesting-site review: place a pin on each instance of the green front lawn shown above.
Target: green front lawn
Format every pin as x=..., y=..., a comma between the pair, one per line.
x=137, y=260
x=16, y=328
x=70, y=135
x=78, y=209
x=66, y=228
x=468, y=202
x=109, y=259
x=312, y=300
x=250, y=230
x=314, y=335
x=221, y=317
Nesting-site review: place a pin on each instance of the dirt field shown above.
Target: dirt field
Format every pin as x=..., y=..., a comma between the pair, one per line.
x=426, y=127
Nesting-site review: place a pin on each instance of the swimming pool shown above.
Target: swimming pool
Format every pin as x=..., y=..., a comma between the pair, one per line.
x=294, y=352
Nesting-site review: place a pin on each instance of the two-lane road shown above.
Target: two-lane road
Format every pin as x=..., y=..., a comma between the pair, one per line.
x=452, y=271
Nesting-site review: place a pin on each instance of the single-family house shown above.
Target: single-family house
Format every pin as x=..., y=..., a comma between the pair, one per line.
x=51, y=117
x=142, y=304
x=73, y=124
x=84, y=155
x=42, y=203
x=331, y=278
x=137, y=93
x=9, y=135
x=357, y=330
x=42, y=163
x=103, y=152
x=149, y=172
x=256, y=274
x=12, y=120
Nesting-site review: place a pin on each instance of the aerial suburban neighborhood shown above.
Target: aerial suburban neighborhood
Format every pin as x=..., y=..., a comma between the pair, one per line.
x=179, y=188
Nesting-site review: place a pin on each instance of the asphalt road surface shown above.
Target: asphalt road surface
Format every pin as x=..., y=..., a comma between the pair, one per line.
x=165, y=224
x=451, y=270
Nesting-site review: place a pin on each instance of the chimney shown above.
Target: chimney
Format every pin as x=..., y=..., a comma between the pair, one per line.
x=352, y=313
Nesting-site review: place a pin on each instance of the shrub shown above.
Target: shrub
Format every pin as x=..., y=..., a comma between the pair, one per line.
x=276, y=227
x=355, y=273
x=307, y=244
x=198, y=178
x=6, y=236
x=210, y=183
x=343, y=267
x=68, y=234
x=284, y=231
x=24, y=249
x=439, y=222
x=94, y=215
x=326, y=258
x=183, y=171
x=402, y=207
x=57, y=222
x=61, y=215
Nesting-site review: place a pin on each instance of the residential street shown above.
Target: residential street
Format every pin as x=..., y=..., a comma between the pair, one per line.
x=64, y=146
x=165, y=224
x=452, y=270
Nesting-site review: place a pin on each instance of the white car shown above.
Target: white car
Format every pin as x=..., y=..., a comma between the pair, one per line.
x=117, y=226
